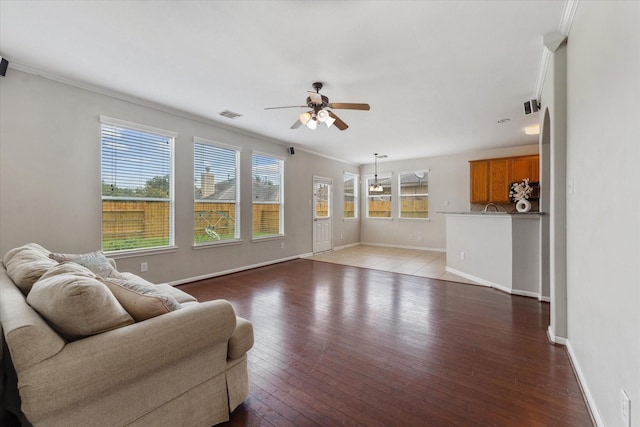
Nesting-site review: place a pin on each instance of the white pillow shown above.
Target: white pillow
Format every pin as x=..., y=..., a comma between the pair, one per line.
x=94, y=261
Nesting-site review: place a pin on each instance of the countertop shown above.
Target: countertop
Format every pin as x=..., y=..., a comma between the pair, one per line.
x=491, y=213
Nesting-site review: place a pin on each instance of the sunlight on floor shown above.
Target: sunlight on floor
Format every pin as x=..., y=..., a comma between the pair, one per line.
x=414, y=262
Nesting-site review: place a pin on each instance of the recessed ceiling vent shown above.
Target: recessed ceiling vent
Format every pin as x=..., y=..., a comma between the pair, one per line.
x=230, y=114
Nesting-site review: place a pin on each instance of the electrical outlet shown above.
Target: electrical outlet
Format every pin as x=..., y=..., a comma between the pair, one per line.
x=625, y=412
x=143, y=267
x=462, y=255
x=282, y=245
x=419, y=238
x=340, y=236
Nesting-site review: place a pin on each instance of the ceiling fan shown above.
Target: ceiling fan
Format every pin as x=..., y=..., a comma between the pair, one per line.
x=321, y=110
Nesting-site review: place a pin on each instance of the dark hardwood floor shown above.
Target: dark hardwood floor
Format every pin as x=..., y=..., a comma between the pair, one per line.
x=338, y=345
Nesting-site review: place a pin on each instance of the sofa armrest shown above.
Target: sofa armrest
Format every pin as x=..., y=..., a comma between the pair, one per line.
x=99, y=364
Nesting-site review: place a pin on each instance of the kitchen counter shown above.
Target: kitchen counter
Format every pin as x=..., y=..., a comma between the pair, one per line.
x=490, y=213
x=497, y=249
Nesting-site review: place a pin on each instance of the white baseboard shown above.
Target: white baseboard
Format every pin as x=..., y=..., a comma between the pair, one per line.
x=483, y=282
x=591, y=404
x=420, y=248
x=350, y=245
x=236, y=270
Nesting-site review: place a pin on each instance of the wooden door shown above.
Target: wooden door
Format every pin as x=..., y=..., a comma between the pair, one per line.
x=479, y=179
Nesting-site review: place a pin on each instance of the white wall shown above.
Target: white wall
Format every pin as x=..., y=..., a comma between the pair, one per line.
x=448, y=192
x=603, y=213
x=50, y=179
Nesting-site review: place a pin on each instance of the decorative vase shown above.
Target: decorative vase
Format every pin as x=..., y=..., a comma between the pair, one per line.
x=523, y=205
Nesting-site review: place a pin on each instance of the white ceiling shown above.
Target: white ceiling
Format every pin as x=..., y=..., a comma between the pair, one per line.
x=437, y=74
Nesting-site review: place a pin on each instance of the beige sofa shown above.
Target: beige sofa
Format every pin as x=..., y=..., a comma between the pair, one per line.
x=185, y=367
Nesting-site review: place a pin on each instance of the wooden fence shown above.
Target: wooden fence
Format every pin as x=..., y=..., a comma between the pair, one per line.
x=146, y=219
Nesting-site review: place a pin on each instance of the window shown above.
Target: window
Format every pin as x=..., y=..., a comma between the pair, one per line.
x=350, y=195
x=267, y=173
x=137, y=186
x=216, y=192
x=379, y=203
x=414, y=194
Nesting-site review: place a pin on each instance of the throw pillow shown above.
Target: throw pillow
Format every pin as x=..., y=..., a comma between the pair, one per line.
x=26, y=264
x=180, y=296
x=75, y=303
x=94, y=261
x=141, y=301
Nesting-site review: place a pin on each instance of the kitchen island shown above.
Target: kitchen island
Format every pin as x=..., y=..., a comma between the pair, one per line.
x=496, y=249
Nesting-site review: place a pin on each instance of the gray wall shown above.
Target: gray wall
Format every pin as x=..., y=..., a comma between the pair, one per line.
x=448, y=192
x=50, y=179
x=603, y=213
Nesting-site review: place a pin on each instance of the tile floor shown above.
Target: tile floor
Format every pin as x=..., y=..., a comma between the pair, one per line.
x=415, y=262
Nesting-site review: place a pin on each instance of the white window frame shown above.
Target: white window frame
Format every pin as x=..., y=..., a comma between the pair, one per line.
x=212, y=232
x=281, y=161
x=356, y=178
x=400, y=195
x=369, y=196
x=106, y=121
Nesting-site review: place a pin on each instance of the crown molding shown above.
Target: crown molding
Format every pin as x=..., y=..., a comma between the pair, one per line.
x=565, y=26
x=158, y=107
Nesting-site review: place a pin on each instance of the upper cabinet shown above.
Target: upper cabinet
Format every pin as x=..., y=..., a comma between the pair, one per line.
x=490, y=179
x=479, y=181
x=525, y=167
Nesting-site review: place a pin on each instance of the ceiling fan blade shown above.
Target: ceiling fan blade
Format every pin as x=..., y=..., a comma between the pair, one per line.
x=296, y=125
x=316, y=98
x=338, y=123
x=290, y=106
x=349, y=106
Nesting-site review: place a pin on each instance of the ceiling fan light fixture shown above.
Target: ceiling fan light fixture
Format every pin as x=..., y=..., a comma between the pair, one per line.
x=312, y=124
x=329, y=121
x=305, y=117
x=323, y=115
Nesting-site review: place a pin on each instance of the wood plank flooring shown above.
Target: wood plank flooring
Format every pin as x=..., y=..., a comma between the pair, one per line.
x=339, y=345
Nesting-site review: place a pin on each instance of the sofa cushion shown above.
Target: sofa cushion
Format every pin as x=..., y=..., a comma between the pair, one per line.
x=140, y=300
x=180, y=296
x=94, y=261
x=26, y=264
x=76, y=304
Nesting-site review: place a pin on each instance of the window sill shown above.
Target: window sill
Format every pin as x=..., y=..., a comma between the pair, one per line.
x=414, y=219
x=217, y=243
x=133, y=253
x=263, y=239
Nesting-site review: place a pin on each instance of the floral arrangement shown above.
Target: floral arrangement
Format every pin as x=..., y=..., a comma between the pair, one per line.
x=520, y=190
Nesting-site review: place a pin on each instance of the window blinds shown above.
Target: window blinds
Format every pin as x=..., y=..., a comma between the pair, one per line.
x=137, y=187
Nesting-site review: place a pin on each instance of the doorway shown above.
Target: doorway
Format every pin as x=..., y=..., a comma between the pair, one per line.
x=322, y=218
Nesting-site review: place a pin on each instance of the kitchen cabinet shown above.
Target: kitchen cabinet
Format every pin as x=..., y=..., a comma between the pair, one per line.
x=479, y=184
x=525, y=167
x=499, y=180
x=490, y=179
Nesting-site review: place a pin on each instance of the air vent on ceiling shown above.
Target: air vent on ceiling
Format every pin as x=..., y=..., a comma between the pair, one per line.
x=230, y=114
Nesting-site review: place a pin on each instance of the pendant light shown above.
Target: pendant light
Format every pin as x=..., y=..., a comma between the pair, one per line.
x=376, y=187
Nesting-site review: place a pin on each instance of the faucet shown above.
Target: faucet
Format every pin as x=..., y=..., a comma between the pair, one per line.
x=495, y=207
